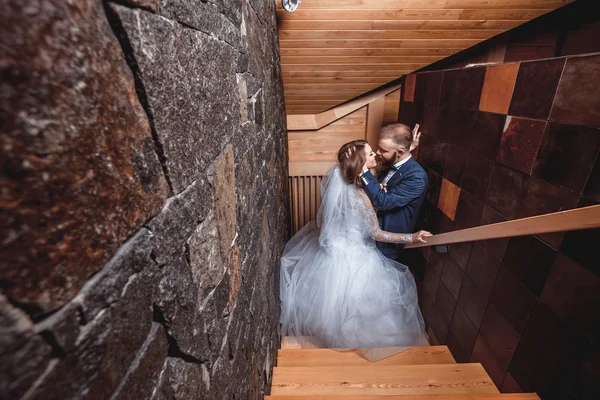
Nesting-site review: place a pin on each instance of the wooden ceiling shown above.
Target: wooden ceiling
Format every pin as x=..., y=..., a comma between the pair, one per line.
x=334, y=50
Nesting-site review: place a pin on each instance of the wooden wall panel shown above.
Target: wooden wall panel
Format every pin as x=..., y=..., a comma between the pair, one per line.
x=305, y=199
x=391, y=107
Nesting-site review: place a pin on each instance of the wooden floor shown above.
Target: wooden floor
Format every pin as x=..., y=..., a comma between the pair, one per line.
x=418, y=373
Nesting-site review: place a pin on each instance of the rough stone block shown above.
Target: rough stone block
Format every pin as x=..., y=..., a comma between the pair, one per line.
x=80, y=173
x=194, y=114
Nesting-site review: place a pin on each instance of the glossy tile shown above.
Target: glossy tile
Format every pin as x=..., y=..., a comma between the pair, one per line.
x=448, y=200
x=452, y=276
x=530, y=261
x=582, y=246
x=482, y=353
x=549, y=356
x=510, y=385
x=409, y=87
x=434, y=86
x=468, y=211
x=520, y=143
x=577, y=101
x=444, y=304
x=535, y=88
x=461, y=88
x=513, y=299
x=433, y=154
x=496, y=247
x=482, y=269
x=500, y=335
x=567, y=155
x=473, y=301
x=573, y=293
x=506, y=190
x=592, y=188
x=455, y=164
x=460, y=126
x=460, y=252
x=498, y=88
x=434, y=187
x=464, y=331
x=543, y=198
x=487, y=134
x=477, y=175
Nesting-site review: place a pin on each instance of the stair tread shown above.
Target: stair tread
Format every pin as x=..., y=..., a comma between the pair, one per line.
x=459, y=379
x=505, y=396
x=323, y=357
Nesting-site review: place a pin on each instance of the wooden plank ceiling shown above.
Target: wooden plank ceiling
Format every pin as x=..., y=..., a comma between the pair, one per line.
x=335, y=50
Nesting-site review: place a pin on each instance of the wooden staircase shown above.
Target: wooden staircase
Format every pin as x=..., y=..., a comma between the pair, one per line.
x=419, y=373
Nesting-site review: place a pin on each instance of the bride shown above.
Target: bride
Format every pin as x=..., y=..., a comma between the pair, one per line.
x=337, y=288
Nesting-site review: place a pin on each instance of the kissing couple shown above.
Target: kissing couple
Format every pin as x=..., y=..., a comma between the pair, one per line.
x=341, y=284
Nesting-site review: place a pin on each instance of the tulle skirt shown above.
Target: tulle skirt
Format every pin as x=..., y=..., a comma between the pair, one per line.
x=347, y=295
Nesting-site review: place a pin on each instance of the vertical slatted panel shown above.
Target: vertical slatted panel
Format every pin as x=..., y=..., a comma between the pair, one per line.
x=305, y=199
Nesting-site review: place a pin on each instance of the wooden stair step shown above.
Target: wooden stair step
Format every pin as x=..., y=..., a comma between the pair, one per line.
x=458, y=379
x=325, y=357
x=506, y=396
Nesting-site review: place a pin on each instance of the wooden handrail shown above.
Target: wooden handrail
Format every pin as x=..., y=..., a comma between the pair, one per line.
x=570, y=220
x=313, y=122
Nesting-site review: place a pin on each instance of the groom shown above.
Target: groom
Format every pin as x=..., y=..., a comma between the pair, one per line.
x=398, y=192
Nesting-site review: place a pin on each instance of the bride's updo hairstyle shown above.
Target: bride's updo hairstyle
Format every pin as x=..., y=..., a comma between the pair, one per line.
x=352, y=157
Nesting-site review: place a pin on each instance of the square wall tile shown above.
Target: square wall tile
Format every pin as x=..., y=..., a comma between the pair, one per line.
x=434, y=87
x=592, y=188
x=530, y=261
x=460, y=252
x=544, y=198
x=448, y=201
x=487, y=134
x=483, y=269
x=429, y=123
x=421, y=88
x=520, y=143
x=510, y=385
x=567, y=155
x=459, y=354
x=513, y=299
x=452, y=276
x=464, y=331
x=582, y=246
x=535, y=88
x=434, y=187
x=438, y=326
x=577, y=99
x=506, y=191
x=460, y=125
x=433, y=154
x=498, y=88
x=500, y=335
x=409, y=87
x=587, y=383
x=473, y=301
x=496, y=247
x=573, y=293
x=430, y=286
x=549, y=356
x=455, y=164
x=461, y=88
x=408, y=113
x=482, y=353
x=477, y=175
x=468, y=211
x=444, y=304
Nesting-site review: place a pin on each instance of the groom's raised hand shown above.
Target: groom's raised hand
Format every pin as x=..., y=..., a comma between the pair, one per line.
x=416, y=135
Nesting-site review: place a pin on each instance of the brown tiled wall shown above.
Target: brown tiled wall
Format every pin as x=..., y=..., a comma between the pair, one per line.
x=514, y=140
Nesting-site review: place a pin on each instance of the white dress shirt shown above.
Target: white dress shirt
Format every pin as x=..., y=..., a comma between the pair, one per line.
x=393, y=170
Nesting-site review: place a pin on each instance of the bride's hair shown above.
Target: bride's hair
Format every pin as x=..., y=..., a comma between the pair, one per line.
x=352, y=157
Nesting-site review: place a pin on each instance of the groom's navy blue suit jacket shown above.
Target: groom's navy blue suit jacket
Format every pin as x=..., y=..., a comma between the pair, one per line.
x=398, y=208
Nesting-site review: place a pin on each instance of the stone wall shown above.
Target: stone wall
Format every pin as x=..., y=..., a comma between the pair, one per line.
x=144, y=198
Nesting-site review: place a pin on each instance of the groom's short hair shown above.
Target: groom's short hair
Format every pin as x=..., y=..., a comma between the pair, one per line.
x=400, y=134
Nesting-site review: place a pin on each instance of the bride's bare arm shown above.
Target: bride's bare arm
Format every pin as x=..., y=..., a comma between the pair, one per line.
x=384, y=236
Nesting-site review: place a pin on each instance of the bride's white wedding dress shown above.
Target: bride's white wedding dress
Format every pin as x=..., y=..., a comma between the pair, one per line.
x=337, y=288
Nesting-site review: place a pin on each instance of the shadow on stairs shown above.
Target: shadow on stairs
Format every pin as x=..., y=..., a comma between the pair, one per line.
x=419, y=373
